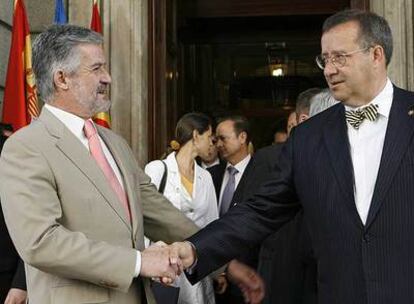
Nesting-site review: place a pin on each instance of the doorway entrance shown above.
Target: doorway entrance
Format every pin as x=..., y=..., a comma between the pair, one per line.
x=248, y=57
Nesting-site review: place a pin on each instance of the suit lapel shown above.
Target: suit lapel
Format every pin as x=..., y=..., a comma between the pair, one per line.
x=337, y=144
x=73, y=149
x=129, y=181
x=397, y=138
x=241, y=187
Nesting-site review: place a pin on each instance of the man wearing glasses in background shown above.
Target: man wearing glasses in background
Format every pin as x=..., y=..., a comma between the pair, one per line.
x=351, y=168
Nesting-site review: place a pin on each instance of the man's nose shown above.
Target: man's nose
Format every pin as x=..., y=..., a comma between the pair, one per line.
x=329, y=69
x=106, y=78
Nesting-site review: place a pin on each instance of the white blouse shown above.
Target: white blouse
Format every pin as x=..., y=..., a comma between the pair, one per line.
x=201, y=208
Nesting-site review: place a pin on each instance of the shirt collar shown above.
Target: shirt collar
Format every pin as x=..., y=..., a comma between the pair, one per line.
x=74, y=123
x=383, y=100
x=241, y=165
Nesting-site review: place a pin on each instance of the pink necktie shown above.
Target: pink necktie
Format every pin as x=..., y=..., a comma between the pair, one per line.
x=98, y=154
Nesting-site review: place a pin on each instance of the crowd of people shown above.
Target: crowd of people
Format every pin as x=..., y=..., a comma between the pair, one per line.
x=323, y=215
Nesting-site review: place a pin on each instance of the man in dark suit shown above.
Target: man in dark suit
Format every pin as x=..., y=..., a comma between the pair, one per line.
x=351, y=169
x=217, y=173
x=12, y=276
x=233, y=138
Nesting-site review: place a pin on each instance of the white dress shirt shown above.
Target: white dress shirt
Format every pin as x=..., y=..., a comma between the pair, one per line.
x=75, y=124
x=366, y=145
x=240, y=166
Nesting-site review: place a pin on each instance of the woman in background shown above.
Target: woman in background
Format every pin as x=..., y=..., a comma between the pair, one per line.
x=190, y=189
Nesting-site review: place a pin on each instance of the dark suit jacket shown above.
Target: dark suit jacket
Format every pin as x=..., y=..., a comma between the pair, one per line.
x=11, y=266
x=285, y=261
x=359, y=264
x=217, y=174
x=287, y=265
x=255, y=174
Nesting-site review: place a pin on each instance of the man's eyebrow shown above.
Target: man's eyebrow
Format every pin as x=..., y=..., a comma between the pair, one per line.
x=97, y=64
x=335, y=52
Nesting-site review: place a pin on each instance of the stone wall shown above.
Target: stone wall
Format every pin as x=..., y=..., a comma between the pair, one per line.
x=126, y=50
x=399, y=14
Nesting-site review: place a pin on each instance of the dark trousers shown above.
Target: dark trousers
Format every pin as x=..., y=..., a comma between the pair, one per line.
x=5, y=284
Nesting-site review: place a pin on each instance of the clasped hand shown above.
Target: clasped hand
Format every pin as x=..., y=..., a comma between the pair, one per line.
x=168, y=261
x=159, y=261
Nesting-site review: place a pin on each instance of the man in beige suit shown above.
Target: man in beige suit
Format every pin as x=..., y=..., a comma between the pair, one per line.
x=80, y=241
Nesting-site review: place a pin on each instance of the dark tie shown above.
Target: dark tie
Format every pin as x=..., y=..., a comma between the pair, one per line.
x=355, y=118
x=228, y=191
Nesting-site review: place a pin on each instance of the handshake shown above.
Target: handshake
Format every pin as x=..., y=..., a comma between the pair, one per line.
x=166, y=262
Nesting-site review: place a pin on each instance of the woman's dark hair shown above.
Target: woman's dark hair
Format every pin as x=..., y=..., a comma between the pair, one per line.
x=190, y=122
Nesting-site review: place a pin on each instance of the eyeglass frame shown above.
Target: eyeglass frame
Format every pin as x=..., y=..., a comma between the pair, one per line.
x=333, y=58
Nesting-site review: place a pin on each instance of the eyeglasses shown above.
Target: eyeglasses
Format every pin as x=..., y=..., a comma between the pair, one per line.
x=337, y=60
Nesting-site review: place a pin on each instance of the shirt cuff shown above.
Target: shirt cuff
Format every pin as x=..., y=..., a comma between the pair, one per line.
x=190, y=270
x=138, y=265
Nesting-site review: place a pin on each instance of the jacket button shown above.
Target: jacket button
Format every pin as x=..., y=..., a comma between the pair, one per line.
x=365, y=238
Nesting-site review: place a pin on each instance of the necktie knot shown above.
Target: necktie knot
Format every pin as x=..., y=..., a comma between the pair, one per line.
x=89, y=129
x=232, y=171
x=356, y=117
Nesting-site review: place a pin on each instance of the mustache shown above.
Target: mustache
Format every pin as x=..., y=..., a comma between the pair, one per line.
x=102, y=89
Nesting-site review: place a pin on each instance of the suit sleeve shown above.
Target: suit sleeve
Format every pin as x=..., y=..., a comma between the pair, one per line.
x=32, y=211
x=249, y=222
x=162, y=221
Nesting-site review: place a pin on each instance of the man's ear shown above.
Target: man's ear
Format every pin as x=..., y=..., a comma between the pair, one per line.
x=60, y=80
x=303, y=117
x=243, y=137
x=195, y=134
x=378, y=53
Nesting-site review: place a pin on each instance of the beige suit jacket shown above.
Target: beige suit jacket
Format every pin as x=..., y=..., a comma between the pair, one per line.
x=67, y=223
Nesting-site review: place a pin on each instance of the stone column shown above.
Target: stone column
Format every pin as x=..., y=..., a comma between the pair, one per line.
x=399, y=14
x=125, y=33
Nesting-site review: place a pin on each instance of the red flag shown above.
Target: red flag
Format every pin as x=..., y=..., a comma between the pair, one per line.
x=103, y=118
x=20, y=94
x=96, y=24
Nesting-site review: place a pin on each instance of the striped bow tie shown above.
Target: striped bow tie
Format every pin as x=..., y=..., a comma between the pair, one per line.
x=355, y=118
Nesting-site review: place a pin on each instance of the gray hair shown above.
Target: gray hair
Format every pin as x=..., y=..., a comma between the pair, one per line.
x=321, y=101
x=304, y=99
x=373, y=29
x=56, y=49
